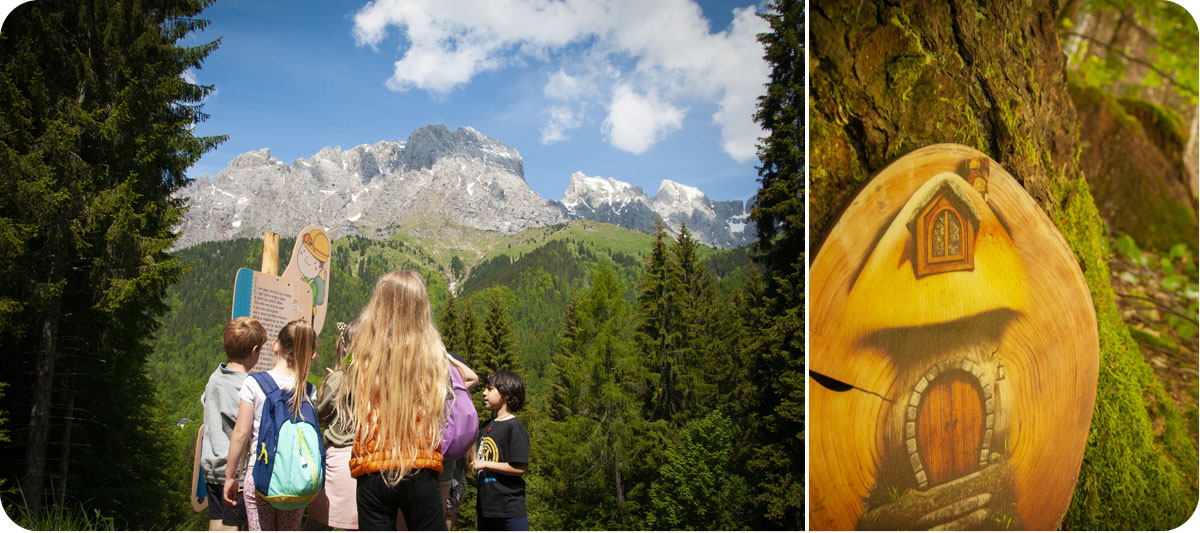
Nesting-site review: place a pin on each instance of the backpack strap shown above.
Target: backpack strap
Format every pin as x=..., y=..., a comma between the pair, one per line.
x=266, y=382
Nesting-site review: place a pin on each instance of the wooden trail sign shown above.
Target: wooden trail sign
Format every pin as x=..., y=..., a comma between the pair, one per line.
x=953, y=354
x=302, y=292
x=199, y=498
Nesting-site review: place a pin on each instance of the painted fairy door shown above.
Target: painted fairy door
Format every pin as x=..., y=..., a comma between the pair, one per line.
x=953, y=351
x=950, y=428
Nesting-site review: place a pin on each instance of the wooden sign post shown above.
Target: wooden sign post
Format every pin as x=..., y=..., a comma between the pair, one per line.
x=302, y=292
x=200, y=494
x=954, y=354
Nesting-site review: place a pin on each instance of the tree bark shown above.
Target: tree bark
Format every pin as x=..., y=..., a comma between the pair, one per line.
x=889, y=78
x=64, y=458
x=33, y=480
x=620, y=486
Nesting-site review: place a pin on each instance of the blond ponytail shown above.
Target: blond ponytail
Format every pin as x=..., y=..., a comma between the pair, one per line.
x=296, y=342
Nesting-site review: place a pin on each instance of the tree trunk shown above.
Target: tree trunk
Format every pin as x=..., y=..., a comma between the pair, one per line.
x=33, y=480
x=620, y=486
x=64, y=458
x=1190, y=157
x=888, y=77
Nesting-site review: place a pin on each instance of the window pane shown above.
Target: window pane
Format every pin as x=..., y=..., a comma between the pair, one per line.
x=939, y=235
x=953, y=235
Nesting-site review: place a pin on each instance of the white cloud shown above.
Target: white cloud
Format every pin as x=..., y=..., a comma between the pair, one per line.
x=562, y=86
x=665, y=48
x=561, y=119
x=636, y=122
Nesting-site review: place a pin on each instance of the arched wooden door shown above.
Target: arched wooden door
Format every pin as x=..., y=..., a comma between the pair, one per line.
x=950, y=427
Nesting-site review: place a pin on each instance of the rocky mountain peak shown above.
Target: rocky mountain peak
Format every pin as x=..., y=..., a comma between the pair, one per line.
x=597, y=191
x=428, y=144
x=460, y=176
x=677, y=198
x=259, y=157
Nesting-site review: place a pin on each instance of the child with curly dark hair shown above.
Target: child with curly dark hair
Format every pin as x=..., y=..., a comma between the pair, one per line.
x=503, y=456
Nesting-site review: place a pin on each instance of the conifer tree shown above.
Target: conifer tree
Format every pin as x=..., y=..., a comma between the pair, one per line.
x=674, y=329
x=695, y=295
x=472, y=338
x=775, y=354
x=98, y=123
x=558, y=403
x=497, y=350
x=655, y=331
x=603, y=455
x=451, y=327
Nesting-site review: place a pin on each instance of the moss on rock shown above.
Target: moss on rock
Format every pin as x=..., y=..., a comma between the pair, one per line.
x=1138, y=186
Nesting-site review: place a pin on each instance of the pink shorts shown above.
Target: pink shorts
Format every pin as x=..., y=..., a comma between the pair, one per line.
x=336, y=505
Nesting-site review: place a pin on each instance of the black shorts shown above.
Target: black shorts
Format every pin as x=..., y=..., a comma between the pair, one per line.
x=230, y=515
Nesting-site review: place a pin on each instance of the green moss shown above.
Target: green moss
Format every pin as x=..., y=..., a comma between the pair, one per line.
x=1173, y=223
x=905, y=68
x=836, y=172
x=1164, y=126
x=1129, y=478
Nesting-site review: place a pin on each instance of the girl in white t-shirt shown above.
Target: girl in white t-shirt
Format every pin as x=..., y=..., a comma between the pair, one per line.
x=293, y=346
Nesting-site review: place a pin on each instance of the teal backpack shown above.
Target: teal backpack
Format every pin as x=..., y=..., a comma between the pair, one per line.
x=289, y=466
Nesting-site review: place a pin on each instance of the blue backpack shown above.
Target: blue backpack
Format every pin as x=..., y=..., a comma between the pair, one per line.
x=289, y=467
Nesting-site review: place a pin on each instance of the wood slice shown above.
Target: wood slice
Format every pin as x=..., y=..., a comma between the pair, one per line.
x=954, y=351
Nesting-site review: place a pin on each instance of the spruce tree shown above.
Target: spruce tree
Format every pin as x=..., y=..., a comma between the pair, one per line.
x=451, y=327
x=99, y=133
x=559, y=402
x=655, y=330
x=472, y=338
x=696, y=356
x=497, y=349
x=775, y=353
x=602, y=456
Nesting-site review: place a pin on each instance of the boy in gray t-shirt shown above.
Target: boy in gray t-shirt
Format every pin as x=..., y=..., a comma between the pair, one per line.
x=243, y=337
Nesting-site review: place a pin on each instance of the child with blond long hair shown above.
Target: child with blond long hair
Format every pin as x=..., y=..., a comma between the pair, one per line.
x=396, y=390
x=294, y=349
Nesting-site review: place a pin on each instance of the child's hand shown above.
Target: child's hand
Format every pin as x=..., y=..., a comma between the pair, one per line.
x=478, y=465
x=230, y=492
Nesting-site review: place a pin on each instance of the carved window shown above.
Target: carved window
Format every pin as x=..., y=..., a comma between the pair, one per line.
x=944, y=239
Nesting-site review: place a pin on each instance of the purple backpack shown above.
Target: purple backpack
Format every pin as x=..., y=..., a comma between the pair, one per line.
x=462, y=422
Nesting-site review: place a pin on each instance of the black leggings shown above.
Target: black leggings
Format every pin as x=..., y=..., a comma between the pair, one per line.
x=417, y=496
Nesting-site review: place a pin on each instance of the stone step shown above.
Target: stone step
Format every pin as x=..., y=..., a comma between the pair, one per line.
x=973, y=521
x=953, y=511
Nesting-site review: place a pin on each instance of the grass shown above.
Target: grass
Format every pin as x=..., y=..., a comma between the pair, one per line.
x=58, y=517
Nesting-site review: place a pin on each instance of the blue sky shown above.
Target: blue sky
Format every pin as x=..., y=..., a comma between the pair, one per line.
x=633, y=90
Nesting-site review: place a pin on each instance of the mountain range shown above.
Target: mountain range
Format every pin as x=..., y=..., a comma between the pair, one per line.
x=435, y=176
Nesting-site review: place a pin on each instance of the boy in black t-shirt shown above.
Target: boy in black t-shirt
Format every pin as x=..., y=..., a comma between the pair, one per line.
x=503, y=456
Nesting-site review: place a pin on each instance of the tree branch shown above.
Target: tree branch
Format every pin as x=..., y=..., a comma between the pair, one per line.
x=1159, y=305
x=1139, y=61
